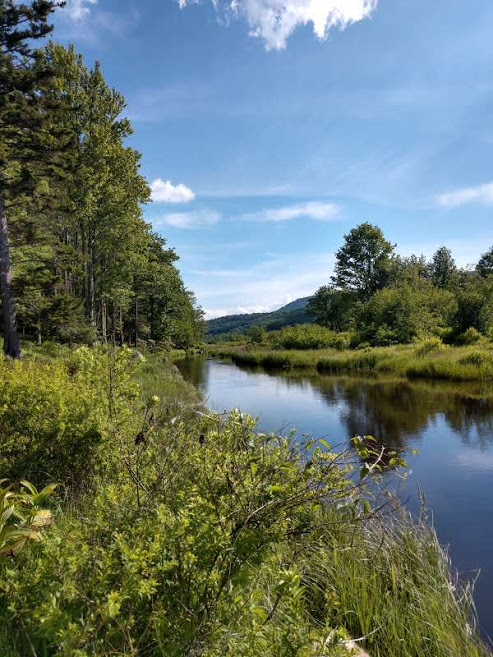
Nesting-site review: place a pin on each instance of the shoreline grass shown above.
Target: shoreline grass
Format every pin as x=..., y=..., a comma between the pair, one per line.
x=202, y=536
x=468, y=363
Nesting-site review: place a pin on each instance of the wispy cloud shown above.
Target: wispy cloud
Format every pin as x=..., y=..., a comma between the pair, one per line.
x=165, y=192
x=267, y=284
x=273, y=22
x=79, y=9
x=316, y=210
x=482, y=194
x=85, y=20
x=187, y=220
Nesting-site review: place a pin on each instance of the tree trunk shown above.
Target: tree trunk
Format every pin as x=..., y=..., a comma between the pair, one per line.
x=91, y=286
x=11, y=344
x=104, y=329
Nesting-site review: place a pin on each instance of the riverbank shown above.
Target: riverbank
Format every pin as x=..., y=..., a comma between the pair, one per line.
x=177, y=531
x=427, y=360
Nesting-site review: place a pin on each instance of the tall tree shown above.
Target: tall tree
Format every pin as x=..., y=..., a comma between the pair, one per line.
x=23, y=137
x=362, y=263
x=442, y=268
x=485, y=264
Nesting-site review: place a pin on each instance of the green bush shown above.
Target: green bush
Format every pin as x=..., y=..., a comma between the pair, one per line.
x=208, y=538
x=428, y=346
x=194, y=562
x=308, y=336
x=400, y=314
x=54, y=415
x=469, y=337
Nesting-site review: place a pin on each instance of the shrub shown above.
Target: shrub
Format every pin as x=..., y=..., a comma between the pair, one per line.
x=308, y=336
x=397, y=315
x=470, y=336
x=54, y=415
x=198, y=561
x=428, y=346
x=22, y=516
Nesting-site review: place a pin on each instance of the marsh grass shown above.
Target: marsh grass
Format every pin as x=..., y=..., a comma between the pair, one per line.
x=467, y=363
x=394, y=585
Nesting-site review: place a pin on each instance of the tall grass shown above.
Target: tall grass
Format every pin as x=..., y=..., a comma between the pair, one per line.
x=206, y=537
x=468, y=363
x=394, y=586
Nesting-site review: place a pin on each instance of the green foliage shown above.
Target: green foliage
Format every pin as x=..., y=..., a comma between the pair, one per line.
x=363, y=262
x=477, y=358
x=232, y=326
x=469, y=337
x=442, y=268
x=86, y=267
x=485, y=264
x=406, y=312
x=404, y=360
x=332, y=308
x=257, y=334
x=308, y=336
x=428, y=346
x=54, y=415
x=22, y=516
x=207, y=537
x=185, y=567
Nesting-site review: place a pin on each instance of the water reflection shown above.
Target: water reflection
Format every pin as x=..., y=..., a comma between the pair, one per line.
x=396, y=411
x=450, y=424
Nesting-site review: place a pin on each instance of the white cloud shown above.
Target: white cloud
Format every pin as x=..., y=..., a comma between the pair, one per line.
x=316, y=210
x=481, y=194
x=211, y=313
x=165, y=192
x=187, y=220
x=264, y=286
x=274, y=21
x=79, y=9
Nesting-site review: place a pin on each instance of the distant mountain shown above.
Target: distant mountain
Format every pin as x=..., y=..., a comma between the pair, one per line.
x=289, y=315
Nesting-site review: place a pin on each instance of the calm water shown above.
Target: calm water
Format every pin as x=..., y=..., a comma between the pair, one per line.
x=452, y=427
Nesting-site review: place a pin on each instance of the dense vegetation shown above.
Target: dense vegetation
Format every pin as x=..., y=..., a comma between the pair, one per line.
x=386, y=299
x=231, y=326
x=376, y=303
x=179, y=532
x=428, y=359
x=77, y=260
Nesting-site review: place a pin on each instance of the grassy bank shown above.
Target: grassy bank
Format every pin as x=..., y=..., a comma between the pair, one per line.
x=178, y=532
x=469, y=363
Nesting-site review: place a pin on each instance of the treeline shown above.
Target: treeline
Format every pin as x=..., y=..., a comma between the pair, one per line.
x=383, y=298
x=78, y=262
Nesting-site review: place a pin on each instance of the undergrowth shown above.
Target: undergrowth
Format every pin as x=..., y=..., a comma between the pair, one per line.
x=190, y=533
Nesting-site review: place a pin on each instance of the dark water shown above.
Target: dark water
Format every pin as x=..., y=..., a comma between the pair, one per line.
x=450, y=425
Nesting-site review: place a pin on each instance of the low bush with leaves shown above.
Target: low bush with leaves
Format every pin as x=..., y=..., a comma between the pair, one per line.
x=308, y=336
x=206, y=538
x=22, y=516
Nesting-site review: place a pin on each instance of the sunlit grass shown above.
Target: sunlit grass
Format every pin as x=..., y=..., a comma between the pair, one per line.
x=471, y=363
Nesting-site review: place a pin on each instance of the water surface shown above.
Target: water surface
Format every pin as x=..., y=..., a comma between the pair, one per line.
x=450, y=425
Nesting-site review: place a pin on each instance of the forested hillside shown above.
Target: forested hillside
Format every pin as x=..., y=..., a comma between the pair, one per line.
x=78, y=261
x=289, y=315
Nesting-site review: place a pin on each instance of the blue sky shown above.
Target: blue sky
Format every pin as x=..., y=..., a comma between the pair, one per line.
x=268, y=134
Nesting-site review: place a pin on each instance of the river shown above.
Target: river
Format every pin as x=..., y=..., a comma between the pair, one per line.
x=450, y=425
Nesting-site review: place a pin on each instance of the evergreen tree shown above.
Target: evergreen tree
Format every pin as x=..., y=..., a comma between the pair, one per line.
x=442, y=268
x=485, y=264
x=24, y=136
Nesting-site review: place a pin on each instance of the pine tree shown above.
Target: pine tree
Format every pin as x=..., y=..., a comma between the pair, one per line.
x=24, y=137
